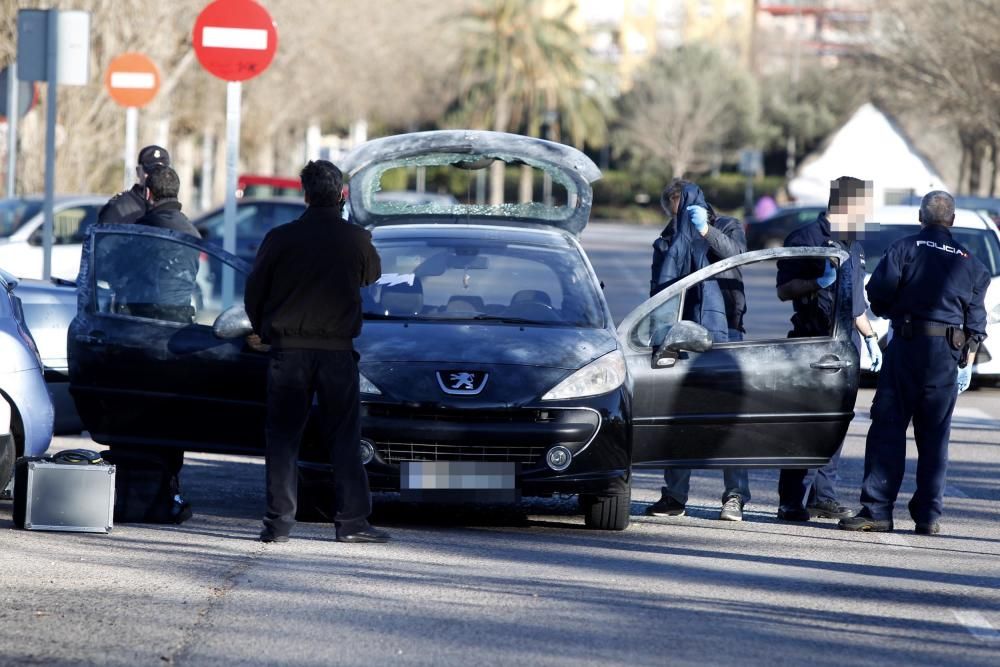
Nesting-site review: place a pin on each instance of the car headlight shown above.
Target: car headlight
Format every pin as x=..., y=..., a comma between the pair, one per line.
x=597, y=377
x=994, y=316
x=367, y=386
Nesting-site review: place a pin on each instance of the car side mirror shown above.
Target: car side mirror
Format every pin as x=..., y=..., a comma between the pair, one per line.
x=683, y=336
x=232, y=323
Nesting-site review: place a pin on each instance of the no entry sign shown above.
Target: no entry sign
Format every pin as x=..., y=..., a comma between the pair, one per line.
x=235, y=39
x=132, y=80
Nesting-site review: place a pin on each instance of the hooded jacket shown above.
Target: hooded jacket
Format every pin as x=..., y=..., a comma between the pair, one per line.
x=679, y=252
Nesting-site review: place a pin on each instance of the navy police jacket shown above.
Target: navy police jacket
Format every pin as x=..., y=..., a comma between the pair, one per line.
x=931, y=277
x=814, y=314
x=681, y=251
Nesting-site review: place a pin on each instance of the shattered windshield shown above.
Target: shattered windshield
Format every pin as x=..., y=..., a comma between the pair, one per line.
x=460, y=184
x=483, y=280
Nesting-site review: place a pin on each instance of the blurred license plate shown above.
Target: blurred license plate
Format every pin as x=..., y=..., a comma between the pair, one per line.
x=444, y=480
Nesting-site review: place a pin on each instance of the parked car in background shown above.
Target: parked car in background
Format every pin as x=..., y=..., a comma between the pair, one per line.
x=254, y=219
x=21, y=242
x=22, y=385
x=771, y=232
x=979, y=234
x=259, y=187
x=989, y=206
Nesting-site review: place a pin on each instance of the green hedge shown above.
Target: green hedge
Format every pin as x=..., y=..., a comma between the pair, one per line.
x=724, y=192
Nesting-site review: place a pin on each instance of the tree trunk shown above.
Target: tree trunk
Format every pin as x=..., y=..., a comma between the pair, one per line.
x=995, y=162
x=978, y=153
x=500, y=121
x=184, y=165
x=527, y=185
x=963, y=165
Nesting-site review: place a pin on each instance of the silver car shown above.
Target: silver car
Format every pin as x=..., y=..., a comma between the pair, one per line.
x=22, y=383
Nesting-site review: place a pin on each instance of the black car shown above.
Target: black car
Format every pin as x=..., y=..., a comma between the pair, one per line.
x=254, y=219
x=491, y=367
x=772, y=230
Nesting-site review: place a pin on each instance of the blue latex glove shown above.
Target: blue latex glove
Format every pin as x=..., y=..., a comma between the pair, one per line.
x=874, y=353
x=699, y=218
x=829, y=276
x=964, y=378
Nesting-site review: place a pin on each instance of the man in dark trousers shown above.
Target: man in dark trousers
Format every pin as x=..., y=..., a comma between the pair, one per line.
x=932, y=290
x=128, y=206
x=808, y=284
x=303, y=298
x=724, y=238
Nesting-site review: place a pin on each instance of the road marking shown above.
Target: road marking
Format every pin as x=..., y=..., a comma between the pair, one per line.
x=892, y=540
x=234, y=38
x=977, y=625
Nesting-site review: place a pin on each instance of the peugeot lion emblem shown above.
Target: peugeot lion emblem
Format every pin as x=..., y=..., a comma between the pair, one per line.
x=462, y=383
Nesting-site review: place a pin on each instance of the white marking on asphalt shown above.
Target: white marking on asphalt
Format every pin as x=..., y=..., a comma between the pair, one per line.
x=140, y=80
x=234, y=38
x=977, y=625
x=955, y=492
x=892, y=540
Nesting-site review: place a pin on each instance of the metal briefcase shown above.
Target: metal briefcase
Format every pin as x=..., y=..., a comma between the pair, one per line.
x=64, y=496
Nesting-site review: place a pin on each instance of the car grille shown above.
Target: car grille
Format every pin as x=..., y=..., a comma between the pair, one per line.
x=396, y=452
x=517, y=416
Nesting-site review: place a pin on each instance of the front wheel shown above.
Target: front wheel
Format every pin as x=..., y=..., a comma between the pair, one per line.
x=607, y=511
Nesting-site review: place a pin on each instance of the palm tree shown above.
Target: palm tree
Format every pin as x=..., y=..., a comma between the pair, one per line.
x=523, y=65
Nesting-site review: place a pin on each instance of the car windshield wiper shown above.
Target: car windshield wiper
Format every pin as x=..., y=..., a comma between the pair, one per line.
x=381, y=316
x=509, y=320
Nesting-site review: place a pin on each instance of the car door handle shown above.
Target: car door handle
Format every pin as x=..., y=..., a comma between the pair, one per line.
x=829, y=364
x=96, y=339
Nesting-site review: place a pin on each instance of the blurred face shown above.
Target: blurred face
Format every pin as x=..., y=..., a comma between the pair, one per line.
x=853, y=215
x=673, y=204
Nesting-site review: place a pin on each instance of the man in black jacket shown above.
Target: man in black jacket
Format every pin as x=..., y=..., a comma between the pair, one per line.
x=128, y=206
x=725, y=238
x=303, y=298
x=161, y=276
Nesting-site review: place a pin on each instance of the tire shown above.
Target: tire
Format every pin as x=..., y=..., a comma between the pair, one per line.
x=607, y=512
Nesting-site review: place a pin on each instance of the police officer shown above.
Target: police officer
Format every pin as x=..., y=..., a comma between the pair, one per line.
x=128, y=206
x=933, y=290
x=303, y=298
x=724, y=237
x=807, y=283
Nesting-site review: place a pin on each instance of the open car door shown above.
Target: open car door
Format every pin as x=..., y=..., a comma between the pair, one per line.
x=145, y=366
x=768, y=402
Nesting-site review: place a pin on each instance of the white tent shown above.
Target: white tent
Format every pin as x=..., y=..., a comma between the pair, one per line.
x=872, y=147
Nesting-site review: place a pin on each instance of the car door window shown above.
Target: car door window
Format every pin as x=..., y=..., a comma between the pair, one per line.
x=159, y=278
x=69, y=226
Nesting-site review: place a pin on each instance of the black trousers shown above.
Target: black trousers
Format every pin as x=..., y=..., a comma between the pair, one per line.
x=294, y=378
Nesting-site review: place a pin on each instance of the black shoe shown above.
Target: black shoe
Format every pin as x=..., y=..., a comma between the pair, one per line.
x=665, y=506
x=866, y=523
x=830, y=509
x=932, y=528
x=267, y=536
x=369, y=534
x=794, y=514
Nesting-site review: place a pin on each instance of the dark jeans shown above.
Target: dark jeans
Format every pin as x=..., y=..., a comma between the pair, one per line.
x=294, y=377
x=917, y=383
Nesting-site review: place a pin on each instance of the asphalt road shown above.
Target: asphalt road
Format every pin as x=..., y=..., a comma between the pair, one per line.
x=524, y=585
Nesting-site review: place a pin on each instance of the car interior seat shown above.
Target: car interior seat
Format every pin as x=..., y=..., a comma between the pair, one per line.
x=460, y=303
x=402, y=298
x=531, y=295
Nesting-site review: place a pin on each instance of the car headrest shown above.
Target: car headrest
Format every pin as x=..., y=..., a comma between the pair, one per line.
x=461, y=303
x=402, y=298
x=535, y=295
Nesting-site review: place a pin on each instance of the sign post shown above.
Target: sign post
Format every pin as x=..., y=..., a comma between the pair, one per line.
x=132, y=81
x=235, y=40
x=52, y=46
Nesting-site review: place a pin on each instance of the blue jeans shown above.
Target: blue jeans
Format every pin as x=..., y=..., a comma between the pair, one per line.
x=736, y=481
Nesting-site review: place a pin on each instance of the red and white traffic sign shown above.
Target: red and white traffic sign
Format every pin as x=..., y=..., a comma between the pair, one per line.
x=132, y=80
x=235, y=39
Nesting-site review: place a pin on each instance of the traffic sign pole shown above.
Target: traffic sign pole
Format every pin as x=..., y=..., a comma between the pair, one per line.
x=52, y=77
x=131, y=132
x=12, y=117
x=234, y=94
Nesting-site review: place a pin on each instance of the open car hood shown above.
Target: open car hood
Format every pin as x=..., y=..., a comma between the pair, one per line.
x=475, y=149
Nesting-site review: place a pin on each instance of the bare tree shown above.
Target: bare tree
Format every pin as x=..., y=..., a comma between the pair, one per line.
x=686, y=107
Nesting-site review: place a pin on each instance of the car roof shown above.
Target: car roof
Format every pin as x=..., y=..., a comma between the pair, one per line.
x=531, y=234
x=908, y=215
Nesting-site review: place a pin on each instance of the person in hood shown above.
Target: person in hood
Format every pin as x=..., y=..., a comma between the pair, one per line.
x=128, y=206
x=694, y=238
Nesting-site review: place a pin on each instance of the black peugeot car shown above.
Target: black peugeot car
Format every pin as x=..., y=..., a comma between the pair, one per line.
x=491, y=367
